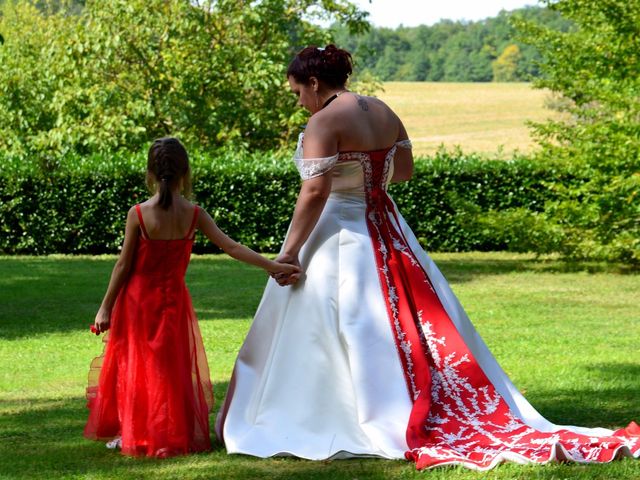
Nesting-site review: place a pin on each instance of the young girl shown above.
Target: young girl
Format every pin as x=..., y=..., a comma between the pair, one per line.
x=150, y=391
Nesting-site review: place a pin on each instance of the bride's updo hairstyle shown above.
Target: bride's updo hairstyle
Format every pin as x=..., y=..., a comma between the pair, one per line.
x=330, y=65
x=167, y=166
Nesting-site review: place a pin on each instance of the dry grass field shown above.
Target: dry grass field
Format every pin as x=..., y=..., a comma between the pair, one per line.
x=478, y=117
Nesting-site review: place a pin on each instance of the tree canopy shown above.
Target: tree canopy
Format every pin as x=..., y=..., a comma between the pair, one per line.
x=103, y=76
x=594, y=71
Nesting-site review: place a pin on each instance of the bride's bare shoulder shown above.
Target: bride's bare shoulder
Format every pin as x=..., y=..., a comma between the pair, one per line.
x=366, y=103
x=371, y=105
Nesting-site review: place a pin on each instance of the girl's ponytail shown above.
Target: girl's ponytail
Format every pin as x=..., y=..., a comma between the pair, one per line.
x=165, y=194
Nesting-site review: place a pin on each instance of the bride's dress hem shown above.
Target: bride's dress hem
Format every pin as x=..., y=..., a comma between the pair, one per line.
x=338, y=455
x=558, y=455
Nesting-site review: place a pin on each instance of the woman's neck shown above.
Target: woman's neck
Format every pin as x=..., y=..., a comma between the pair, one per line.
x=331, y=95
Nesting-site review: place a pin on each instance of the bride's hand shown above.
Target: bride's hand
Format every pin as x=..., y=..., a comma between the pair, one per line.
x=287, y=278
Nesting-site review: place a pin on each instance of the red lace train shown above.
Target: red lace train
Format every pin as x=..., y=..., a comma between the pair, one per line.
x=458, y=417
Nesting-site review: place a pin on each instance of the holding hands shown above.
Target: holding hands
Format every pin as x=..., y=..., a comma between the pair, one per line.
x=285, y=270
x=290, y=270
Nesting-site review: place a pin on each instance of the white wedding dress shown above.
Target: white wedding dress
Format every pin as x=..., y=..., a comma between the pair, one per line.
x=371, y=354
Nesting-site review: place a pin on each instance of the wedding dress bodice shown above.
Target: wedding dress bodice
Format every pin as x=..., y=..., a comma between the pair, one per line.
x=347, y=175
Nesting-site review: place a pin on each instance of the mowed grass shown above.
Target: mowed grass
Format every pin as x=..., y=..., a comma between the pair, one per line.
x=487, y=118
x=567, y=334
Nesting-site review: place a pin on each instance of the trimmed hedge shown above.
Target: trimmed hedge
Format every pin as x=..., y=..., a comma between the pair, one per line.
x=80, y=205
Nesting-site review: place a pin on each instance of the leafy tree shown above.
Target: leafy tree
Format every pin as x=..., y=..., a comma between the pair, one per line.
x=418, y=66
x=505, y=67
x=387, y=65
x=111, y=75
x=595, y=68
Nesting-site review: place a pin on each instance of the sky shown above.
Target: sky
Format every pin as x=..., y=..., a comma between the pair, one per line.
x=392, y=13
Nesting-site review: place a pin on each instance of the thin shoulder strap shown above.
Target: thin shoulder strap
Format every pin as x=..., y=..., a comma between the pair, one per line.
x=192, y=228
x=144, y=229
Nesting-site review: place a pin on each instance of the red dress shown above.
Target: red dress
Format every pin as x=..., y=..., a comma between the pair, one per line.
x=151, y=386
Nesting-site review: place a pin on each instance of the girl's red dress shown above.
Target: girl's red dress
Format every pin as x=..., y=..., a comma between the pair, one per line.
x=151, y=386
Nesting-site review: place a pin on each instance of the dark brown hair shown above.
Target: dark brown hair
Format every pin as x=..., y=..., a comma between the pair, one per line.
x=330, y=65
x=167, y=165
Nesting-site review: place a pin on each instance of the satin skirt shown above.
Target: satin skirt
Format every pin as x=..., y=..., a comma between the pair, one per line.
x=319, y=375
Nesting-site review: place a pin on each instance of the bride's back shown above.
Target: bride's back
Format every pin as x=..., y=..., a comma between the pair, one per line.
x=361, y=123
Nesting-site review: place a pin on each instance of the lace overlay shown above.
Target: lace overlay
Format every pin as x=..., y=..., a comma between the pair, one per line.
x=312, y=167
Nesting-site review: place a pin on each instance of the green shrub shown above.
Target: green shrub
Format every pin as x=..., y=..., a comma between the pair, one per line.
x=81, y=204
x=455, y=201
x=592, y=71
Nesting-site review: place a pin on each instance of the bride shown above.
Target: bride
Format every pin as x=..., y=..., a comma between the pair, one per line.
x=369, y=353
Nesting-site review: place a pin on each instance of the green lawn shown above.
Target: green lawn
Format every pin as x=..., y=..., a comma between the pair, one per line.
x=567, y=335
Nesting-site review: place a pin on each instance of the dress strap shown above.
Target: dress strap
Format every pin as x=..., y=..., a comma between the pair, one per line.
x=192, y=228
x=142, y=227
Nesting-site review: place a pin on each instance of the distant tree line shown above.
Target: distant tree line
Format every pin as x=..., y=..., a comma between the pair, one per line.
x=451, y=51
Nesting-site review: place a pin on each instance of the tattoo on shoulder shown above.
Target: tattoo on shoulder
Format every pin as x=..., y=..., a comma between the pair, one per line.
x=362, y=102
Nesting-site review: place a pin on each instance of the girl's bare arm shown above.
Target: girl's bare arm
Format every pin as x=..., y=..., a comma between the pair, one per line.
x=120, y=271
x=238, y=251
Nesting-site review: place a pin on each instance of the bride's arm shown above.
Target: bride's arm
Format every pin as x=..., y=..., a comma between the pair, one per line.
x=311, y=200
x=319, y=142
x=403, y=160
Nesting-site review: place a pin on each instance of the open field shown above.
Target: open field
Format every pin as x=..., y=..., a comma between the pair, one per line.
x=479, y=117
x=568, y=338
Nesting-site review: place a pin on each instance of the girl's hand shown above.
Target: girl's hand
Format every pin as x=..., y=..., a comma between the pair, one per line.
x=286, y=270
x=103, y=320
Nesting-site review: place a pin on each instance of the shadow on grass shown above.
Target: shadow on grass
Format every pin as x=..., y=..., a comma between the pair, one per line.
x=611, y=403
x=59, y=294
x=42, y=438
x=41, y=295
x=466, y=269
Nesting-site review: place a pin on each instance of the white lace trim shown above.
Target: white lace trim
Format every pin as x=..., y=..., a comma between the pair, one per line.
x=312, y=167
